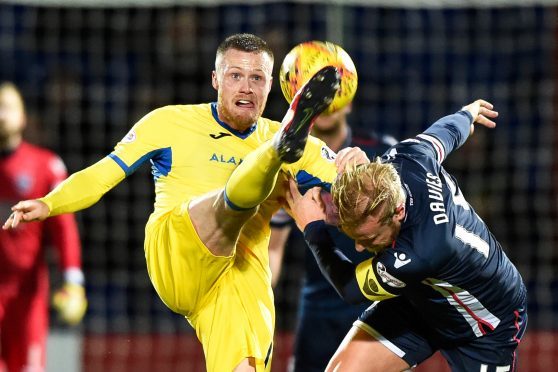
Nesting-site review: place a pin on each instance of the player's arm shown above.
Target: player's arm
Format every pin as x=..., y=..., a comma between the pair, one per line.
x=354, y=283
x=148, y=138
x=309, y=214
x=334, y=265
x=450, y=132
x=79, y=191
x=84, y=188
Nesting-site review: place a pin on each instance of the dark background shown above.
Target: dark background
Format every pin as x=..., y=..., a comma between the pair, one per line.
x=88, y=74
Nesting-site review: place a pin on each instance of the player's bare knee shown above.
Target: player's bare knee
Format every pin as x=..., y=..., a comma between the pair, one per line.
x=230, y=220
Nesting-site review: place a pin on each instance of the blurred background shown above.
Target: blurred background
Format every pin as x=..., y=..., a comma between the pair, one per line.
x=90, y=69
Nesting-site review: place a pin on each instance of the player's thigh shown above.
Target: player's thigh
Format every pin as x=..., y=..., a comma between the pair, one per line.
x=236, y=321
x=362, y=352
x=181, y=267
x=397, y=327
x=217, y=225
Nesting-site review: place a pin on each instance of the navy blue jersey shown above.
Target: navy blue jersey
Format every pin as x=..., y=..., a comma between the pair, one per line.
x=445, y=261
x=315, y=286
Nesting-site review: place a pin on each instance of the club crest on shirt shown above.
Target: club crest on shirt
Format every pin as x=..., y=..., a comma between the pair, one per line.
x=23, y=183
x=328, y=154
x=387, y=278
x=130, y=137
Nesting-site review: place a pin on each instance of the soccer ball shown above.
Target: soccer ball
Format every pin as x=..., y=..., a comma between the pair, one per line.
x=305, y=59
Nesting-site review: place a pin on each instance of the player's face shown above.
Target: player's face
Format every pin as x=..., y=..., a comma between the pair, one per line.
x=243, y=81
x=333, y=121
x=12, y=116
x=373, y=236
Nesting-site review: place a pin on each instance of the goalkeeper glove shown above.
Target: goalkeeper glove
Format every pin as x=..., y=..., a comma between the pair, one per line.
x=70, y=303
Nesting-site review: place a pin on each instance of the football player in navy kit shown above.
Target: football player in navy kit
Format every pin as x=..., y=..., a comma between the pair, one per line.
x=449, y=283
x=323, y=317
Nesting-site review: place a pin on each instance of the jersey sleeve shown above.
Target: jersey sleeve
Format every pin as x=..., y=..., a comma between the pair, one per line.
x=84, y=188
x=315, y=168
x=390, y=272
x=441, y=138
x=334, y=265
x=147, y=139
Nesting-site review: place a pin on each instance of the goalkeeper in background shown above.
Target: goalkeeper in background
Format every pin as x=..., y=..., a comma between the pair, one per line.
x=26, y=172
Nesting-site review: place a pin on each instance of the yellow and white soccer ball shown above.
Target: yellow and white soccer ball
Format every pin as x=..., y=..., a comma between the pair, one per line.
x=307, y=58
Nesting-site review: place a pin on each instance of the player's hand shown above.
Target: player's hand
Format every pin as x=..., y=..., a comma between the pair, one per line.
x=482, y=111
x=350, y=156
x=305, y=208
x=26, y=211
x=70, y=303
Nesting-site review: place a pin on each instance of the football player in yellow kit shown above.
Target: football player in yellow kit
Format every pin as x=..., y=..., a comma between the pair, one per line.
x=206, y=241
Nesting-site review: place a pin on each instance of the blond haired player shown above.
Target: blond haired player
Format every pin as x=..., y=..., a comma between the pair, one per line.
x=206, y=241
x=442, y=280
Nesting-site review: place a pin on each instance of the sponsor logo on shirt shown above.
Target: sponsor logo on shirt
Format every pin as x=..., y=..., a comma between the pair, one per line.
x=130, y=137
x=219, y=135
x=221, y=158
x=400, y=260
x=387, y=278
x=328, y=154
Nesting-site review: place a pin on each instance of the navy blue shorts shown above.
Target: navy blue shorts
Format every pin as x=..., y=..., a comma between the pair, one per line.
x=395, y=323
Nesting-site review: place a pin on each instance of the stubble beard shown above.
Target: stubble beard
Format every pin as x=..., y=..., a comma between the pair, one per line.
x=236, y=120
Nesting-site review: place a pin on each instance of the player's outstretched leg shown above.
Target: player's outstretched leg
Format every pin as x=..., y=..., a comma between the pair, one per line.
x=310, y=101
x=254, y=179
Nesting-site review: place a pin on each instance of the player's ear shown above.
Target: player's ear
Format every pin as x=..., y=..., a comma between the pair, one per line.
x=214, y=80
x=399, y=212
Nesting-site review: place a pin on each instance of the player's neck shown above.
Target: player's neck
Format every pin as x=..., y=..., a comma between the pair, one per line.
x=9, y=144
x=334, y=138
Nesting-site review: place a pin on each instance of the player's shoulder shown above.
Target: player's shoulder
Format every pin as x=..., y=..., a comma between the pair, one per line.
x=39, y=151
x=269, y=124
x=266, y=128
x=49, y=160
x=171, y=118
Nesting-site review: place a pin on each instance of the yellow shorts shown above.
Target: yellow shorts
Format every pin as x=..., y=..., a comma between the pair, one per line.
x=228, y=300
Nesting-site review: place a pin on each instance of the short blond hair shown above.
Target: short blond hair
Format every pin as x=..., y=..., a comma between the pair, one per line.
x=367, y=190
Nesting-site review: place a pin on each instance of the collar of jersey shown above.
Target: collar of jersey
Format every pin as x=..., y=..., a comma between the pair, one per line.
x=235, y=132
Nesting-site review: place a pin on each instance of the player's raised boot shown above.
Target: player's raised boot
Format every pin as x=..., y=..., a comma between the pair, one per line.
x=309, y=102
